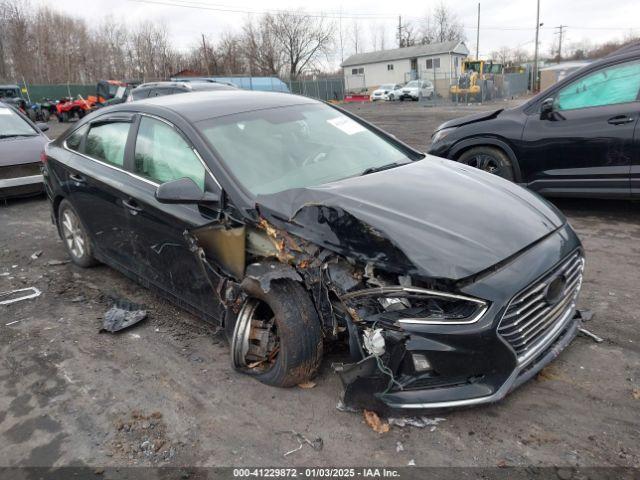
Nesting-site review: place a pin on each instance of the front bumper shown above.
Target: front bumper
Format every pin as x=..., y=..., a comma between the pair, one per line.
x=471, y=364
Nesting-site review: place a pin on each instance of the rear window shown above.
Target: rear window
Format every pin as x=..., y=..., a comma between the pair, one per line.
x=107, y=141
x=74, y=140
x=140, y=94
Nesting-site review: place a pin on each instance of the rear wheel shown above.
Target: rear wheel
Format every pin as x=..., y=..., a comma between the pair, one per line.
x=74, y=236
x=490, y=159
x=277, y=337
x=45, y=115
x=64, y=117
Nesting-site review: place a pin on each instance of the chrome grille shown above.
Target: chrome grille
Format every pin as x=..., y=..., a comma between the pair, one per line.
x=534, y=312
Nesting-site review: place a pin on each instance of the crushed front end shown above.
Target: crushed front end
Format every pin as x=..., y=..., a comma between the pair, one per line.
x=419, y=347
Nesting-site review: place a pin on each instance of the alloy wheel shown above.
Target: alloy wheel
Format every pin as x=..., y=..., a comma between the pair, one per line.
x=73, y=234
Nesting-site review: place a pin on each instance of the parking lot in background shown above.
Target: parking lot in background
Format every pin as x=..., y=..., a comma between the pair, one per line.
x=71, y=395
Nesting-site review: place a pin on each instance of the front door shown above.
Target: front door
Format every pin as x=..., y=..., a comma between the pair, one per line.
x=160, y=232
x=586, y=144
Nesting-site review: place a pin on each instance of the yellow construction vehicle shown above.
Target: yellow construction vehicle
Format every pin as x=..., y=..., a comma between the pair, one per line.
x=480, y=80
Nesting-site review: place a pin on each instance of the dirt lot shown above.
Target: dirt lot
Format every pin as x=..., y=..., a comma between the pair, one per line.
x=163, y=392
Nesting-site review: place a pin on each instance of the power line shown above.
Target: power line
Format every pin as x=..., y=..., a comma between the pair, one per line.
x=197, y=5
x=560, y=33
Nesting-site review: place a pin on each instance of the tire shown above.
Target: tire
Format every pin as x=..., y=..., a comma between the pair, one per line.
x=489, y=159
x=64, y=117
x=295, y=328
x=402, y=99
x=390, y=97
x=45, y=115
x=31, y=114
x=74, y=236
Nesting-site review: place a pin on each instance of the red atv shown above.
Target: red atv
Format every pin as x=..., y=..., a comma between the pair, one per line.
x=67, y=108
x=108, y=92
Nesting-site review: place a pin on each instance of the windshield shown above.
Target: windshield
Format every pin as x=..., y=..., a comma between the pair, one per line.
x=9, y=92
x=12, y=125
x=413, y=84
x=387, y=86
x=277, y=149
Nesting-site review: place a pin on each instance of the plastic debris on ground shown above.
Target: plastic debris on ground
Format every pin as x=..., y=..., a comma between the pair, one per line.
x=399, y=447
x=122, y=315
x=317, y=444
x=35, y=255
x=586, y=333
x=375, y=422
x=344, y=408
x=418, y=422
x=18, y=295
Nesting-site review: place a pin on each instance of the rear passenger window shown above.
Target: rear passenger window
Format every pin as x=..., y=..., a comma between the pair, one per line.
x=75, y=139
x=107, y=141
x=163, y=155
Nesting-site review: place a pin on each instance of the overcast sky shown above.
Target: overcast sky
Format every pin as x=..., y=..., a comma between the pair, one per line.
x=503, y=22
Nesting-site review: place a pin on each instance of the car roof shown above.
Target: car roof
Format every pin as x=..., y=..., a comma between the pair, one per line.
x=9, y=86
x=203, y=105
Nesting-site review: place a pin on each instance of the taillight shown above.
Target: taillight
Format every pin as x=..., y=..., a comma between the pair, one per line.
x=43, y=157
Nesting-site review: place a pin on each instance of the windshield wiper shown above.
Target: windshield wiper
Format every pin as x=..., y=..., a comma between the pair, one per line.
x=369, y=170
x=12, y=135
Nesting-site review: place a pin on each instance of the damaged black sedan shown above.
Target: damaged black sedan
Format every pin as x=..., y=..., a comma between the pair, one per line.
x=294, y=224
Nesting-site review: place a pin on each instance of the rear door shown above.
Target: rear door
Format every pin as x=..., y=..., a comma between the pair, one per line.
x=93, y=177
x=160, y=232
x=587, y=144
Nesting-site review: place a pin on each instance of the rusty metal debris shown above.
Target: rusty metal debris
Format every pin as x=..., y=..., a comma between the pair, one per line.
x=375, y=422
x=121, y=315
x=24, y=296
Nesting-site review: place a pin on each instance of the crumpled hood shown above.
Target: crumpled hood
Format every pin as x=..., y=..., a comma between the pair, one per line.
x=476, y=117
x=20, y=150
x=434, y=218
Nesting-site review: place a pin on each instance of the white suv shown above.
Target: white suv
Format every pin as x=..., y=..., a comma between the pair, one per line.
x=387, y=91
x=416, y=89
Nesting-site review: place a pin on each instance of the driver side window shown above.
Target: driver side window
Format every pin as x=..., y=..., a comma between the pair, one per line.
x=162, y=155
x=608, y=86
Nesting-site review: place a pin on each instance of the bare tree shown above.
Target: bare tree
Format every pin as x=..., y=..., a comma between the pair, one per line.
x=440, y=25
x=261, y=48
x=356, y=36
x=303, y=39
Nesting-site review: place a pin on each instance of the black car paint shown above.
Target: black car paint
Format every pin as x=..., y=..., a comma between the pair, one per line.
x=431, y=231
x=580, y=152
x=153, y=243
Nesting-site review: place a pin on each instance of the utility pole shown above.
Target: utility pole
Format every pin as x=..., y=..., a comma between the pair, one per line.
x=478, y=35
x=534, y=80
x=205, y=55
x=560, y=33
x=399, y=31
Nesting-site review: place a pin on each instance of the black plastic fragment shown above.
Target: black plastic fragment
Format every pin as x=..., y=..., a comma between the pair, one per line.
x=121, y=315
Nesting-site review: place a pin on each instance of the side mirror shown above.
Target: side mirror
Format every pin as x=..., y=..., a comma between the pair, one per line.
x=546, y=108
x=42, y=126
x=184, y=190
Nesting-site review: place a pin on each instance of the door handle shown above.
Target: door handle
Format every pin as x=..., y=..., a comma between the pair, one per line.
x=132, y=206
x=77, y=178
x=620, y=120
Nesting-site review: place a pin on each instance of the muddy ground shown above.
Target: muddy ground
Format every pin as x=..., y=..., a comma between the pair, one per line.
x=163, y=392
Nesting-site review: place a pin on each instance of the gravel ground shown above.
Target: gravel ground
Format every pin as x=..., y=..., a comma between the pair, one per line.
x=163, y=393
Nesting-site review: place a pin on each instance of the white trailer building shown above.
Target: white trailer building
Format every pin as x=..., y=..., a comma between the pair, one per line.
x=436, y=61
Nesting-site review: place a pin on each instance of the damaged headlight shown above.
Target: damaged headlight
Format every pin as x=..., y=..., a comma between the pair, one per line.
x=396, y=305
